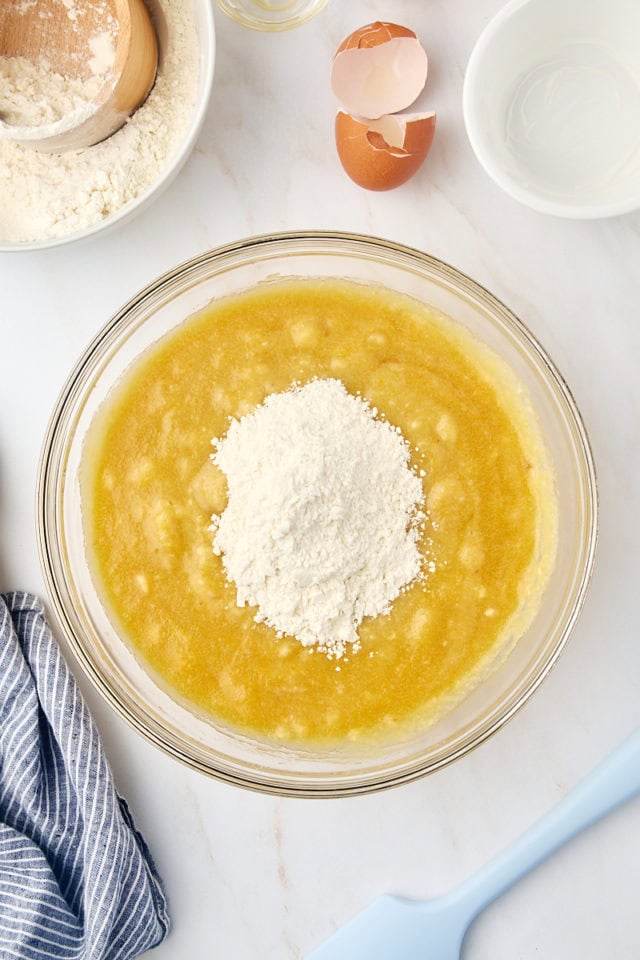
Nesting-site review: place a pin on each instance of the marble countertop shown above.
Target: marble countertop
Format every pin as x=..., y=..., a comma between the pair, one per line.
x=253, y=876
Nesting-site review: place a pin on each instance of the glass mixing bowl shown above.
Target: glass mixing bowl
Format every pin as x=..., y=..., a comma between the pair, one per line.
x=271, y=15
x=113, y=666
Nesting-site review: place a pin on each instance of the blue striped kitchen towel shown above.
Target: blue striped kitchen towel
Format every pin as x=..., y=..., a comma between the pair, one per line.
x=76, y=879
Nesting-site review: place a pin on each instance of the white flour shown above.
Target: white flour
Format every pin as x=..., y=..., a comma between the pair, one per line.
x=32, y=94
x=48, y=195
x=323, y=515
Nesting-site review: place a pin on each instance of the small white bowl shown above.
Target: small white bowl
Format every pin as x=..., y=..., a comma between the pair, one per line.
x=552, y=105
x=205, y=31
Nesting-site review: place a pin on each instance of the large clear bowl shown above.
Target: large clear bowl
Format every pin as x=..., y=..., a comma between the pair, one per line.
x=111, y=663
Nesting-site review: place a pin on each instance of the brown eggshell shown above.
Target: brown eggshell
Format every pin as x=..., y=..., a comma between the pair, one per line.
x=368, y=156
x=379, y=69
x=373, y=34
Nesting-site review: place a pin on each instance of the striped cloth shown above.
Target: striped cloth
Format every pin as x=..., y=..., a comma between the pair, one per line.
x=76, y=879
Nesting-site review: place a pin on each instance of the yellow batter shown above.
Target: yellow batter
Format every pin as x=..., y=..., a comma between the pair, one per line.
x=150, y=488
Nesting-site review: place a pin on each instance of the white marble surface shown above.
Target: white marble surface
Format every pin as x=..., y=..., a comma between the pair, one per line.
x=251, y=876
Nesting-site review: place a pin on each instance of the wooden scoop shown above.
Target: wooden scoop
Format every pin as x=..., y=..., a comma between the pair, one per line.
x=109, y=46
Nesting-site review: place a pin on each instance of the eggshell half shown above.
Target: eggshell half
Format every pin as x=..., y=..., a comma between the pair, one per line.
x=373, y=34
x=379, y=69
x=383, y=153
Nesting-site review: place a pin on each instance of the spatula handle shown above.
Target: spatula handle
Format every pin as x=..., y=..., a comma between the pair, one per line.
x=614, y=781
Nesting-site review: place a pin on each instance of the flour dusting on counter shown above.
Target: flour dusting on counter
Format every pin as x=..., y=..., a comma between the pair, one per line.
x=45, y=196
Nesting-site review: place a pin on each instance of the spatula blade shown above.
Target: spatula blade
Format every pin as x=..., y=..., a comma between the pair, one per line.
x=394, y=929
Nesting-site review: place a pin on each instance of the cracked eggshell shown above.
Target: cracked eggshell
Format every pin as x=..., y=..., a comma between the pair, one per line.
x=382, y=154
x=379, y=69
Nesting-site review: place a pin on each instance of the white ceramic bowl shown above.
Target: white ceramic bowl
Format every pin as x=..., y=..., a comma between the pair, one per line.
x=205, y=31
x=552, y=105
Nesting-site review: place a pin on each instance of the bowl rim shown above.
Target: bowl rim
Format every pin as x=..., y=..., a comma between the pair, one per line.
x=207, y=44
x=255, y=23
x=487, y=158
x=47, y=491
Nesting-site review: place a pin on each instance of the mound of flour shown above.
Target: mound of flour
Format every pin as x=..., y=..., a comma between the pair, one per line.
x=323, y=513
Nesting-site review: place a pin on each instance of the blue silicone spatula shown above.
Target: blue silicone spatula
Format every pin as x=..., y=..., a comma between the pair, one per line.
x=396, y=929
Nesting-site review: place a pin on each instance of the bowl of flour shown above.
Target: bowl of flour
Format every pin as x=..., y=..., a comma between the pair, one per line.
x=52, y=199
